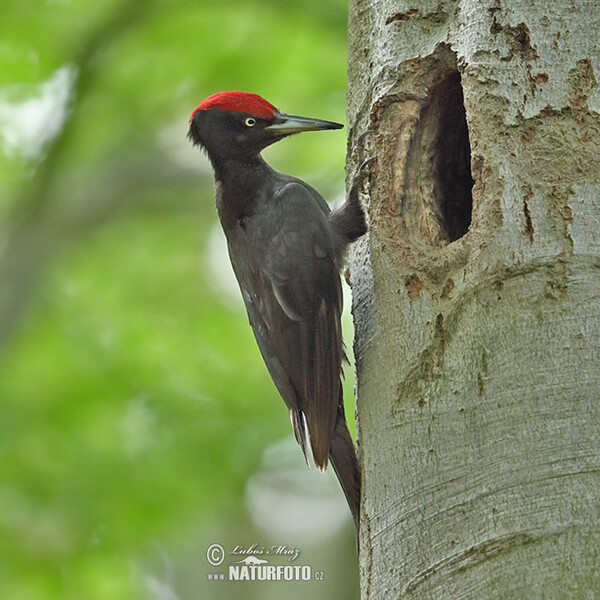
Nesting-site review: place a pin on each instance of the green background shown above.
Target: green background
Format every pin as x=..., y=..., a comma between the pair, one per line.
x=138, y=424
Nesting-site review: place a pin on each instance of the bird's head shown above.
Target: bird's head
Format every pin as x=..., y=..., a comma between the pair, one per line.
x=240, y=124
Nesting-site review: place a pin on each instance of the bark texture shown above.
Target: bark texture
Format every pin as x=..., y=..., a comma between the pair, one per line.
x=477, y=297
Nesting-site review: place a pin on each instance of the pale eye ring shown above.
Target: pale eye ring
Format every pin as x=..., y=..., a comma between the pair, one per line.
x=250, y=122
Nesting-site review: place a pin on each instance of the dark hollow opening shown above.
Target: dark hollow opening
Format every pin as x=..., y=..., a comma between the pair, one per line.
x=450, y=157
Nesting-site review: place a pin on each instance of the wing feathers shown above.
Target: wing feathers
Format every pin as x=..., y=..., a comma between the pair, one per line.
x=299, y=320
x=286, y=247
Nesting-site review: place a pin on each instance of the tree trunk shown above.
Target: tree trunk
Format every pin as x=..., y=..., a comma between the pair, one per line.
x=477, y=297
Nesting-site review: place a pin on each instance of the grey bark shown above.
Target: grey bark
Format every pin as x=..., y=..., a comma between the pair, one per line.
x=478, y=335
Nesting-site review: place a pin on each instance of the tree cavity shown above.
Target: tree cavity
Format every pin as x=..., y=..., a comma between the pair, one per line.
x=438, y=169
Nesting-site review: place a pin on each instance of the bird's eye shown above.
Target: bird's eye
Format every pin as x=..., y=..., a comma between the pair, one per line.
x=250, y=122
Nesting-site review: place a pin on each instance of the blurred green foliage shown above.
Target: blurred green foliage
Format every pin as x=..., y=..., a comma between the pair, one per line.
x=134, y=403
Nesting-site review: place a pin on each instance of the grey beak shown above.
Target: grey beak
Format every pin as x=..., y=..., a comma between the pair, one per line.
x=289, y=124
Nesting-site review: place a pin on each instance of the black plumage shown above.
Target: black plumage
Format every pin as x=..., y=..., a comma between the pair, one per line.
x=286, y=247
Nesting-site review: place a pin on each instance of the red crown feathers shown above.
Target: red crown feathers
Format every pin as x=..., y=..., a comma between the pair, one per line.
x=238, y=102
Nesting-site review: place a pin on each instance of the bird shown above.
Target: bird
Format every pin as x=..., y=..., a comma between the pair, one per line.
x=287, y=248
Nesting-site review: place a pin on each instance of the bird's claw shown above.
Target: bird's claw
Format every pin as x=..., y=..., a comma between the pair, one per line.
x=359, y=151
x=365, y=163
x=361, y=175
x=363, y=171
x=359, y=147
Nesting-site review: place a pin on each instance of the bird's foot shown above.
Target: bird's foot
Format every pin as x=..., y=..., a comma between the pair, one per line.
x=358, y=153
x=363, y=172
x=350, y=219
x=361, y=175
x=359, y=148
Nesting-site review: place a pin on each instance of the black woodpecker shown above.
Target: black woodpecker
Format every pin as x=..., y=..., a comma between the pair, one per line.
x=287, y=248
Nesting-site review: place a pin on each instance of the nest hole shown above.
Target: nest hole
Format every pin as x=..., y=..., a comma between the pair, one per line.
x=450, y=156
x=439, y=177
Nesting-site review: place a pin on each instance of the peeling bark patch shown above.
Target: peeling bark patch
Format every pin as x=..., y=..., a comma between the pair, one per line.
x=536, y=80
x=439, y=341
x=436, y=15
x=581, y=81
x=403, y=16
x=470, y=557
x=413, y=286
x=519, y=39
x=480, y=385
x=528, y=231
x=482, y=374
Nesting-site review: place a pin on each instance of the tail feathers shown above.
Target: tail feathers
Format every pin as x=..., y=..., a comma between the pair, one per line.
x=342, y=456
x=345, y=464
x=299, y=425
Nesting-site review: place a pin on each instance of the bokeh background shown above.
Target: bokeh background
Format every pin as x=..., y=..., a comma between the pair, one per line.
x=138, y=424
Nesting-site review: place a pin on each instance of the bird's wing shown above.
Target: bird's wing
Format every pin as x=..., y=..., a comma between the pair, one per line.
x=297, y=325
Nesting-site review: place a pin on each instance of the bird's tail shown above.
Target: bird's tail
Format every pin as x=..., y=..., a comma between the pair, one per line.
x=345, y=464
